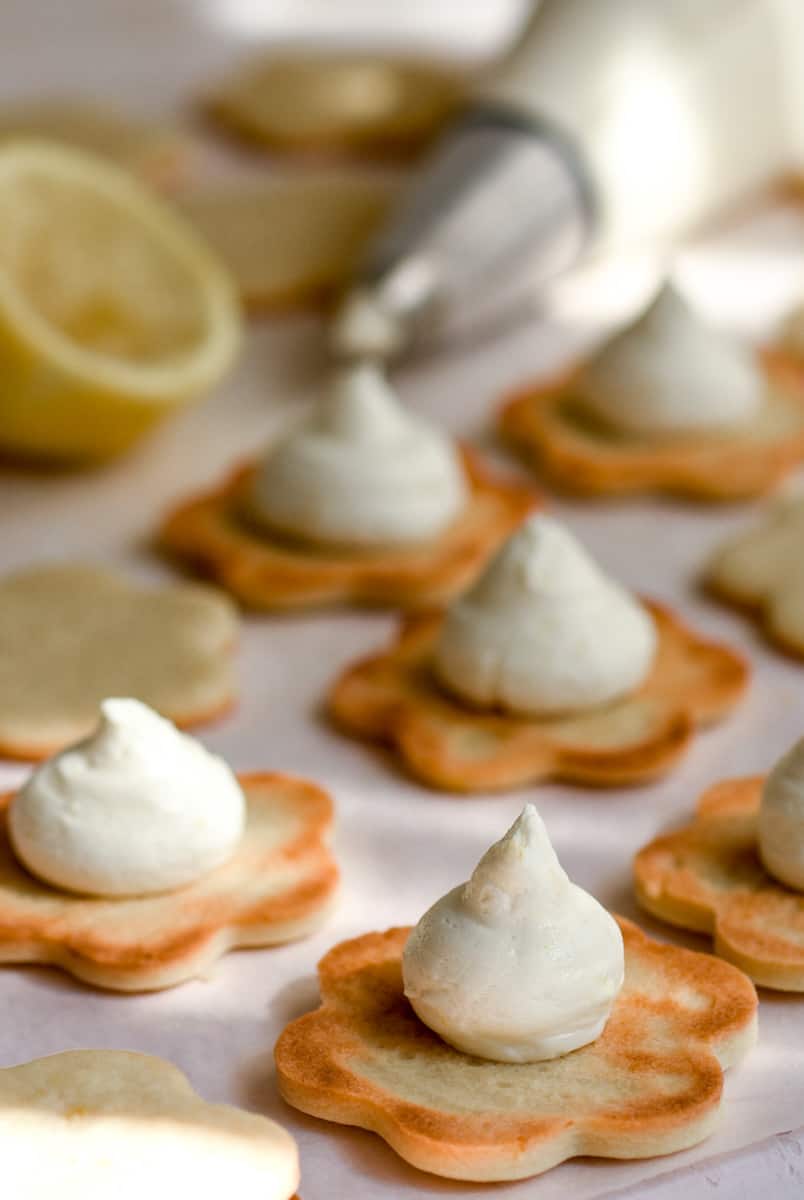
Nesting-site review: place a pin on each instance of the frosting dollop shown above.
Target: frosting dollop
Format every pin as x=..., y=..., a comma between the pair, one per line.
x=544, y=631
x=670, y=374
x=519, y=964
x=780, y=829
x=361, y=471
x=135, y=808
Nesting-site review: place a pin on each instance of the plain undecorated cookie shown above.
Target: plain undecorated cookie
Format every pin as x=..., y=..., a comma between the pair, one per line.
x=73, y=635
x=289, y=243
x=91, y=1124
x=762, y=569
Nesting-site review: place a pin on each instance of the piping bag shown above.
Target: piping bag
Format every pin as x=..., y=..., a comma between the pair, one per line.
x=614, y=125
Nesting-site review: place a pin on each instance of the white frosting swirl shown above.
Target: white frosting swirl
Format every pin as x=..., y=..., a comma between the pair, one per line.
x=361, y=472
x=669, y=374
x=544, y=631
x=780, y=828
x=135, y=808
x=519, y=964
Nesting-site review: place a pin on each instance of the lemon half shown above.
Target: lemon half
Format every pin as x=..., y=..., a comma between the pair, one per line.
x=112, y=310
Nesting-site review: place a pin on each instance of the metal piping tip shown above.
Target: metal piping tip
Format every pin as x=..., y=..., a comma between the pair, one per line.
x=500, y=207
x=363, y=329
x=379, y=318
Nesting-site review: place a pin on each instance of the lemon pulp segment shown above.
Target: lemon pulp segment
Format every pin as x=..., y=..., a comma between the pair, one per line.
x=110, y=306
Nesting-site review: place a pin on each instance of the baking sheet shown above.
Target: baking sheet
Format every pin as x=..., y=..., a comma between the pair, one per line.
x=401, y=846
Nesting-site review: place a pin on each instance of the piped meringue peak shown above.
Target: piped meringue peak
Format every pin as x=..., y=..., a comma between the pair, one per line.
x=518, y=964
x=361, y=472
x=670, y=374
x=544, y=631
x=135, y=808
x=780, y=828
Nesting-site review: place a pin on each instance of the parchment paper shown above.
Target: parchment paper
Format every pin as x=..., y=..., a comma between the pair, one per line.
x=401, y=846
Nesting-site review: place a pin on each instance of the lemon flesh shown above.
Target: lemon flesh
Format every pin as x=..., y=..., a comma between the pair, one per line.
x=112, y=310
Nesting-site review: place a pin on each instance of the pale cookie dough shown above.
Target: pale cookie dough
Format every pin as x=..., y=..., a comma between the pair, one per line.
x=763, y=569
x=336, y=103
x=92, y=1124
x=293, y=242
x=707, y=876
x=71, y=635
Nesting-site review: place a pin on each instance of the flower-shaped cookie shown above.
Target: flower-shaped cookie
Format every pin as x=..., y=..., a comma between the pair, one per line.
x=352, y=105
x=292, y=242
x=651, y=1083
x=579, y=455
x=278, y=886
x=708, y=877
x=394, y=697
x=214, y=533
x=72, y=635
x=763, y=569
x=92, y=1123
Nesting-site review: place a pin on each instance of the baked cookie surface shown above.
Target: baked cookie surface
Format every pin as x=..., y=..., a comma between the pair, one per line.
x=394, y=697
x=72, y=635
x=278, y=886
x=291, y=243
x=213, y=533
x=762, y=570
x=650, y=1085
x=708, y=877
x=578, y=455
x=84, y=1122
x=790, y=338
x=336, y=104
